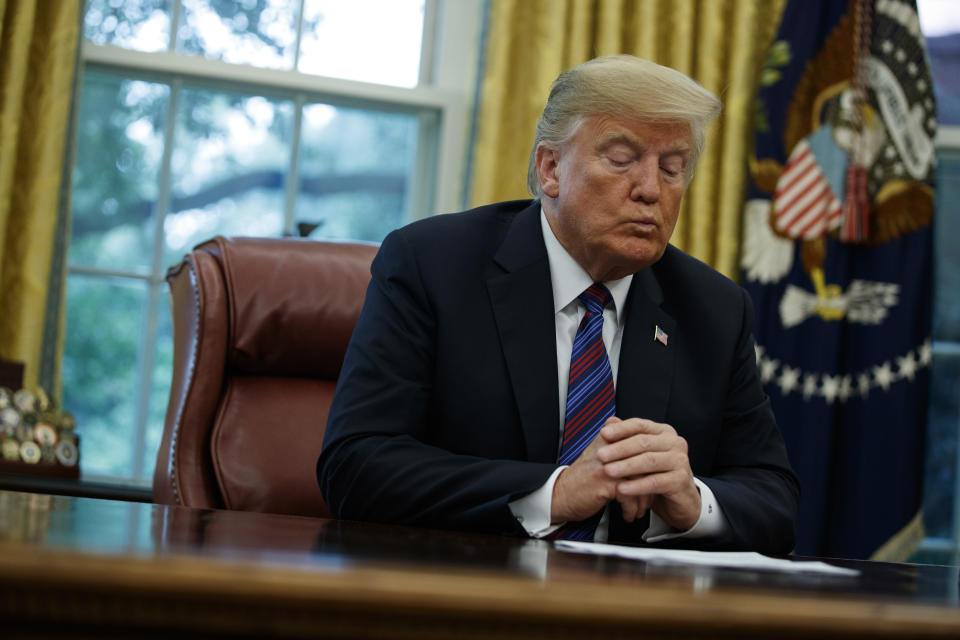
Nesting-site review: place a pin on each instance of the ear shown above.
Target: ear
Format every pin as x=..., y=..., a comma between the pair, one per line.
x=548, y=170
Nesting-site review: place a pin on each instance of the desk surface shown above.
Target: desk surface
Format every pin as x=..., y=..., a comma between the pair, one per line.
x=100, y=567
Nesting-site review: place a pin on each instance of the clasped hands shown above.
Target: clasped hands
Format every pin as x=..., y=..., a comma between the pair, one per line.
x=639, y=463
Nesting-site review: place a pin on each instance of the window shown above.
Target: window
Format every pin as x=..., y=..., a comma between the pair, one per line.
x=316, y=118
x=941, y=25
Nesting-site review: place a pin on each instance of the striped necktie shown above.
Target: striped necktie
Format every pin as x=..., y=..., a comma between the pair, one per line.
x=590, y=395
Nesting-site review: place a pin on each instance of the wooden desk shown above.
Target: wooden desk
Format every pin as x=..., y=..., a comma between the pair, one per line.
x=80, y=566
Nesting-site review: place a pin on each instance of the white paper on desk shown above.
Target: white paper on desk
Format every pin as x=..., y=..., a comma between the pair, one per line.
x=735, y=559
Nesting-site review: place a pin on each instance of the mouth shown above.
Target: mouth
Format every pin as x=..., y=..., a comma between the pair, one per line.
x=644, y=225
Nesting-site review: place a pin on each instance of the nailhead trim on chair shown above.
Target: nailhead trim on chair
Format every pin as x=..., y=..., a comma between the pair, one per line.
x=191, y=368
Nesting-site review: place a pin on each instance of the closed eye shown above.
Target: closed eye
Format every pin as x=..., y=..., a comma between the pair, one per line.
x=619, y=158
x=673, y=169
x=619, y=154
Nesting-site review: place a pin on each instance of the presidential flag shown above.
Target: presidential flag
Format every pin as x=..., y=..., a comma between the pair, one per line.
x=837, y=259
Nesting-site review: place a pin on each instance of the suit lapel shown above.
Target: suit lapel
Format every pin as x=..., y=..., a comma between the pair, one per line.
x=644, y=376
x=522, y=300
x=646, y=364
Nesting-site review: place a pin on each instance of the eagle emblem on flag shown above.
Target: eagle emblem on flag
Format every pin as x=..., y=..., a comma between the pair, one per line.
x=860, y=157
x=836, y=258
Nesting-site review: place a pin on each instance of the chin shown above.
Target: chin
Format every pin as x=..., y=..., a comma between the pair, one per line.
x=645, y=256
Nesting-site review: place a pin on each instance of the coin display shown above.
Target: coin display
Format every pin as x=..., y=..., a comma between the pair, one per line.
x=45, y=434
x=11, y=449
x=23, y=431
x=66, y=453
x=9, y=418
x=24, y=400
x=30, y=452
x=42, y=399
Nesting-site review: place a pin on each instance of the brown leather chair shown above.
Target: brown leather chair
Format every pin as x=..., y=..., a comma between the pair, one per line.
x=260, y=327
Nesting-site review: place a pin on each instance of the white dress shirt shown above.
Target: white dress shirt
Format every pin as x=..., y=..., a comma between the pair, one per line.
x=569, y=280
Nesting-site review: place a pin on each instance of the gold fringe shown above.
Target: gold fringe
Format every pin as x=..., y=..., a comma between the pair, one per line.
x=901, y=546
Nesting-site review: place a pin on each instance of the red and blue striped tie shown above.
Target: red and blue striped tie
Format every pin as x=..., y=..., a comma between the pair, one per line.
x=590, y=395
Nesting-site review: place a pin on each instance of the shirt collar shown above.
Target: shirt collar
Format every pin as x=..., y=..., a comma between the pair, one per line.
x=569, y=279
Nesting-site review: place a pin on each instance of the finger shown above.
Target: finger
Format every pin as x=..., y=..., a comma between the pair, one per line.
x=666, y=483
x=613, y=432
x=634, y=507
x=580, y=491
x=638, y=444
x=646, y=462
x=629, y=507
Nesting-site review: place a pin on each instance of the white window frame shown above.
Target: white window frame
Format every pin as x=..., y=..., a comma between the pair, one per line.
x=948, y=137
x=443, y=98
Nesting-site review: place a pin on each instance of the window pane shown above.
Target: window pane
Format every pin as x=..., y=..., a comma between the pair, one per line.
x=943, y=423
x=940, y=22
x=229, y=168
x=143, y=25
x=369, y=40
x=119, y=150
x=257, y=32
x=946, y=322
x=945, y=67
x=355, y=171
x=104, y=323
x=159, y=386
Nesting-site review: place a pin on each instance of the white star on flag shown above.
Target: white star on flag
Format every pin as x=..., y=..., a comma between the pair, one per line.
x=863, y=384
x=768, y=369
x=830, y=388
x=789, y=379
x=809, y=385
x=907, y=366
x=883, y=375
x=846, y=388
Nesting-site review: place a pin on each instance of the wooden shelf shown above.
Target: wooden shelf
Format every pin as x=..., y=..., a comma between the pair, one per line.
x=40, y=469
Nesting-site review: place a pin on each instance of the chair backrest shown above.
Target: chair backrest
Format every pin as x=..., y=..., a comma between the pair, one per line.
x=260, y=327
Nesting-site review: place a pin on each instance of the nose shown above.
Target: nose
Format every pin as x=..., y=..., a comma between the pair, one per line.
x=645, y=180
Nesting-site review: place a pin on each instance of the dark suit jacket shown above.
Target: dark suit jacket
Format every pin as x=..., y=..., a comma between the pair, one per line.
x=447, y=405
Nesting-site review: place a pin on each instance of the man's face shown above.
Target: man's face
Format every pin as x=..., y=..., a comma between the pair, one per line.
x=612, y=193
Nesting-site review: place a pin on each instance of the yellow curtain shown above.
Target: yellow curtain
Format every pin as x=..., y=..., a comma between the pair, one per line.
x=38, y=53
x=720, y=43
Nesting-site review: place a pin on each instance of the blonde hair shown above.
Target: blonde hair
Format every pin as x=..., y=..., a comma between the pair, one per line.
x=625, y=86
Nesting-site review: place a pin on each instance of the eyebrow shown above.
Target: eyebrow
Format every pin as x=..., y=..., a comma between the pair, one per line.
x=609, y=139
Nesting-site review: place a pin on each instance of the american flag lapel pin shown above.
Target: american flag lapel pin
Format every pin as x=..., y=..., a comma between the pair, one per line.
x=660, y=335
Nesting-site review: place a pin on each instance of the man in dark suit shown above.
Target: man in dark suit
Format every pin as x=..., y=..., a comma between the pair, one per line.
x=450, y=408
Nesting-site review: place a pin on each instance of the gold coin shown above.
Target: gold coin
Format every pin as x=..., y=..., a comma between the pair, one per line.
x=24, y=400
x=11, y=449
x=24, y=431
x=10, y=418
x=45, y=434
x=67, y=453
x=67, y=421
x=43, y=400
x=30, y=452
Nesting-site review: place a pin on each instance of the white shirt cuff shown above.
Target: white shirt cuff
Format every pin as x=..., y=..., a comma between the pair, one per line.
x=710, y=523
x=532, y=511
